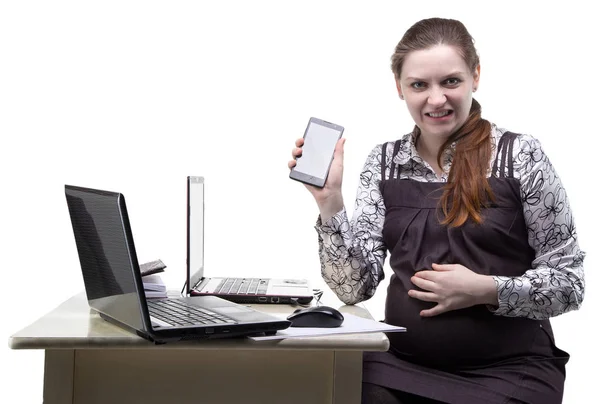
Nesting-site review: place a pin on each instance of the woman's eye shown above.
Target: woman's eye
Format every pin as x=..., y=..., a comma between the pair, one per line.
x=418, y=85
x=452, y=81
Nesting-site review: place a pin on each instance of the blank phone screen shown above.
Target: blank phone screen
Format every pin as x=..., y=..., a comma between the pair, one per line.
x=319, y=144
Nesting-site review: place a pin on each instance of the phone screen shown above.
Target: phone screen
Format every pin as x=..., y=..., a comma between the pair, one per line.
x=317, y=152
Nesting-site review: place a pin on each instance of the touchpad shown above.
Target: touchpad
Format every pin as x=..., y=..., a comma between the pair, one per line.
x=233, y=310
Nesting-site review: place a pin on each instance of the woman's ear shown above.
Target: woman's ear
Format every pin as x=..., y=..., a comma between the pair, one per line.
x=399, y=88
x=476, y=76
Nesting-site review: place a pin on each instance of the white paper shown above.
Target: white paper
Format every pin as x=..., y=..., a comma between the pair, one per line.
x=352, y=325
x=154, y=283
x=153, y=294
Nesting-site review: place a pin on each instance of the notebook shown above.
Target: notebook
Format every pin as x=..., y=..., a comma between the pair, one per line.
x=240, y=290
x=114, y=288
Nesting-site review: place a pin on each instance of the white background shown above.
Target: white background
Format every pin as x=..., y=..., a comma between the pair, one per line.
x=133, y=96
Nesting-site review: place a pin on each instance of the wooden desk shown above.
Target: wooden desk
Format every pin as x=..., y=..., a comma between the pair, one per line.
x=89, y=360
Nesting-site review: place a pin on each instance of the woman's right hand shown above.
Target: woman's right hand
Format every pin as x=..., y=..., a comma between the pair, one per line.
x=328, y=198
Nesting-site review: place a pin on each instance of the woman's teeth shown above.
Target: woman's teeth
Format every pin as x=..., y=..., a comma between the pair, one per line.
x=438, y=114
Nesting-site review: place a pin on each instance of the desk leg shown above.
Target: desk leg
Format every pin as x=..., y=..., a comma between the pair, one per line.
x=58, y=376
x=347, y=381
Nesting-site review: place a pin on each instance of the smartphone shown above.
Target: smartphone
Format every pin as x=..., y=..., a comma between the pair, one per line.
x=320, y=138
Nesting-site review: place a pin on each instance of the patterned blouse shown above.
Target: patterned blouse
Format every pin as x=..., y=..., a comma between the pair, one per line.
x=353, y=253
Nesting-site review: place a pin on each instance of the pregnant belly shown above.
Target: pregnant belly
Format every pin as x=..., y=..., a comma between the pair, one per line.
x=466, y=337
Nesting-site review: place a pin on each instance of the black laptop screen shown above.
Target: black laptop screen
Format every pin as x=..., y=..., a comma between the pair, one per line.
x=106, y=253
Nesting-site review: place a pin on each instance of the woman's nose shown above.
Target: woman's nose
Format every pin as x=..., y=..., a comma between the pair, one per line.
x=436, y=97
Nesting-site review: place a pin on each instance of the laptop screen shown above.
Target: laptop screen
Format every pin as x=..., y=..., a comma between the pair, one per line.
x=195, y=246
x=106, y=253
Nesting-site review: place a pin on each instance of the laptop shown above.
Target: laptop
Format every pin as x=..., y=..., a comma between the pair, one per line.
x=114, y=288
x=239, y=290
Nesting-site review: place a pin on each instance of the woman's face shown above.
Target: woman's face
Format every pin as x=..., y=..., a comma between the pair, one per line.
x=437, y=85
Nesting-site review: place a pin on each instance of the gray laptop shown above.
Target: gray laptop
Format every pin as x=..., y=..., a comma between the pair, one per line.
x=239, y=290
x=114, y=288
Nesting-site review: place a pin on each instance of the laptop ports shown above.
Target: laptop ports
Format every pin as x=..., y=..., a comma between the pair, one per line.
x=274, y=300
x=262, y=299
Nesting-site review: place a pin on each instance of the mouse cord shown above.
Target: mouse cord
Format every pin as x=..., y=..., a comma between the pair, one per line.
x=318, y=293
x=294, y=302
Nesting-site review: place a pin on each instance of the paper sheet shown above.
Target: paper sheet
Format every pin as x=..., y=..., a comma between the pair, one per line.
x=352, y=325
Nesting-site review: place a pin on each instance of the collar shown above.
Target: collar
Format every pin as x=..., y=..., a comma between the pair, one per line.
x=407, y=153
x=408, y=156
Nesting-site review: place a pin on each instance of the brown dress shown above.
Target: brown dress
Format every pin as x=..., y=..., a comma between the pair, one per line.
x=468, y=355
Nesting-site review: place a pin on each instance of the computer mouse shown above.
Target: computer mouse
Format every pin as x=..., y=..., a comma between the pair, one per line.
x=316, y=316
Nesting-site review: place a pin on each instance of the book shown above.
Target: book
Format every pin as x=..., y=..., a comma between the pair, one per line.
x=153, y=283
x=154, y=286
x=151, y=294
x=152, y=267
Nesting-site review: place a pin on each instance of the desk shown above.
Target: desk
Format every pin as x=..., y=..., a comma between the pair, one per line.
x=88, y=360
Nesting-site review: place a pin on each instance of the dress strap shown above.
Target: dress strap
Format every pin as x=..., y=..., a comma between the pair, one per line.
x=393, y=167
x=383, y=152
x=505, y=146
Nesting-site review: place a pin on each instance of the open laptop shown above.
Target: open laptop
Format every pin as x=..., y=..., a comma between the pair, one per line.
x=239, y=290
x=114, y=288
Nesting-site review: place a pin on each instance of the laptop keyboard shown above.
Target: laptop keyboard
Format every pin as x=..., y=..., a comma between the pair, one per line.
x=177, y=312
x=242, y=286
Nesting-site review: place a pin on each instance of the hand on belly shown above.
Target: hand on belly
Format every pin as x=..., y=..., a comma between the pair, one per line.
x=452, y=287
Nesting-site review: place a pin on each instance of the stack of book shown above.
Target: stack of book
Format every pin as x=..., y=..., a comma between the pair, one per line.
x=154, y=286
x=153, y=283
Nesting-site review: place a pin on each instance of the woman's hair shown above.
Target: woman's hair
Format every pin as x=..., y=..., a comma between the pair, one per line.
x=467, y=188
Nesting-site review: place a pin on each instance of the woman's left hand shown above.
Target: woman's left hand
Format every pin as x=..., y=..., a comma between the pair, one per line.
x=453, y=287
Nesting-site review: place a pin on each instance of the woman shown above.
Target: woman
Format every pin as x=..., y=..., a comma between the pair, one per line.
x=481, y=237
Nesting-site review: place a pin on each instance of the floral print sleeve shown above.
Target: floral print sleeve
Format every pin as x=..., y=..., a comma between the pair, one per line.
x=352, y=252
x=555, y=284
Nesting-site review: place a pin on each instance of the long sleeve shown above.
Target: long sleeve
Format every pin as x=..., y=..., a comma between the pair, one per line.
x=555, y=283
x=352, y=253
